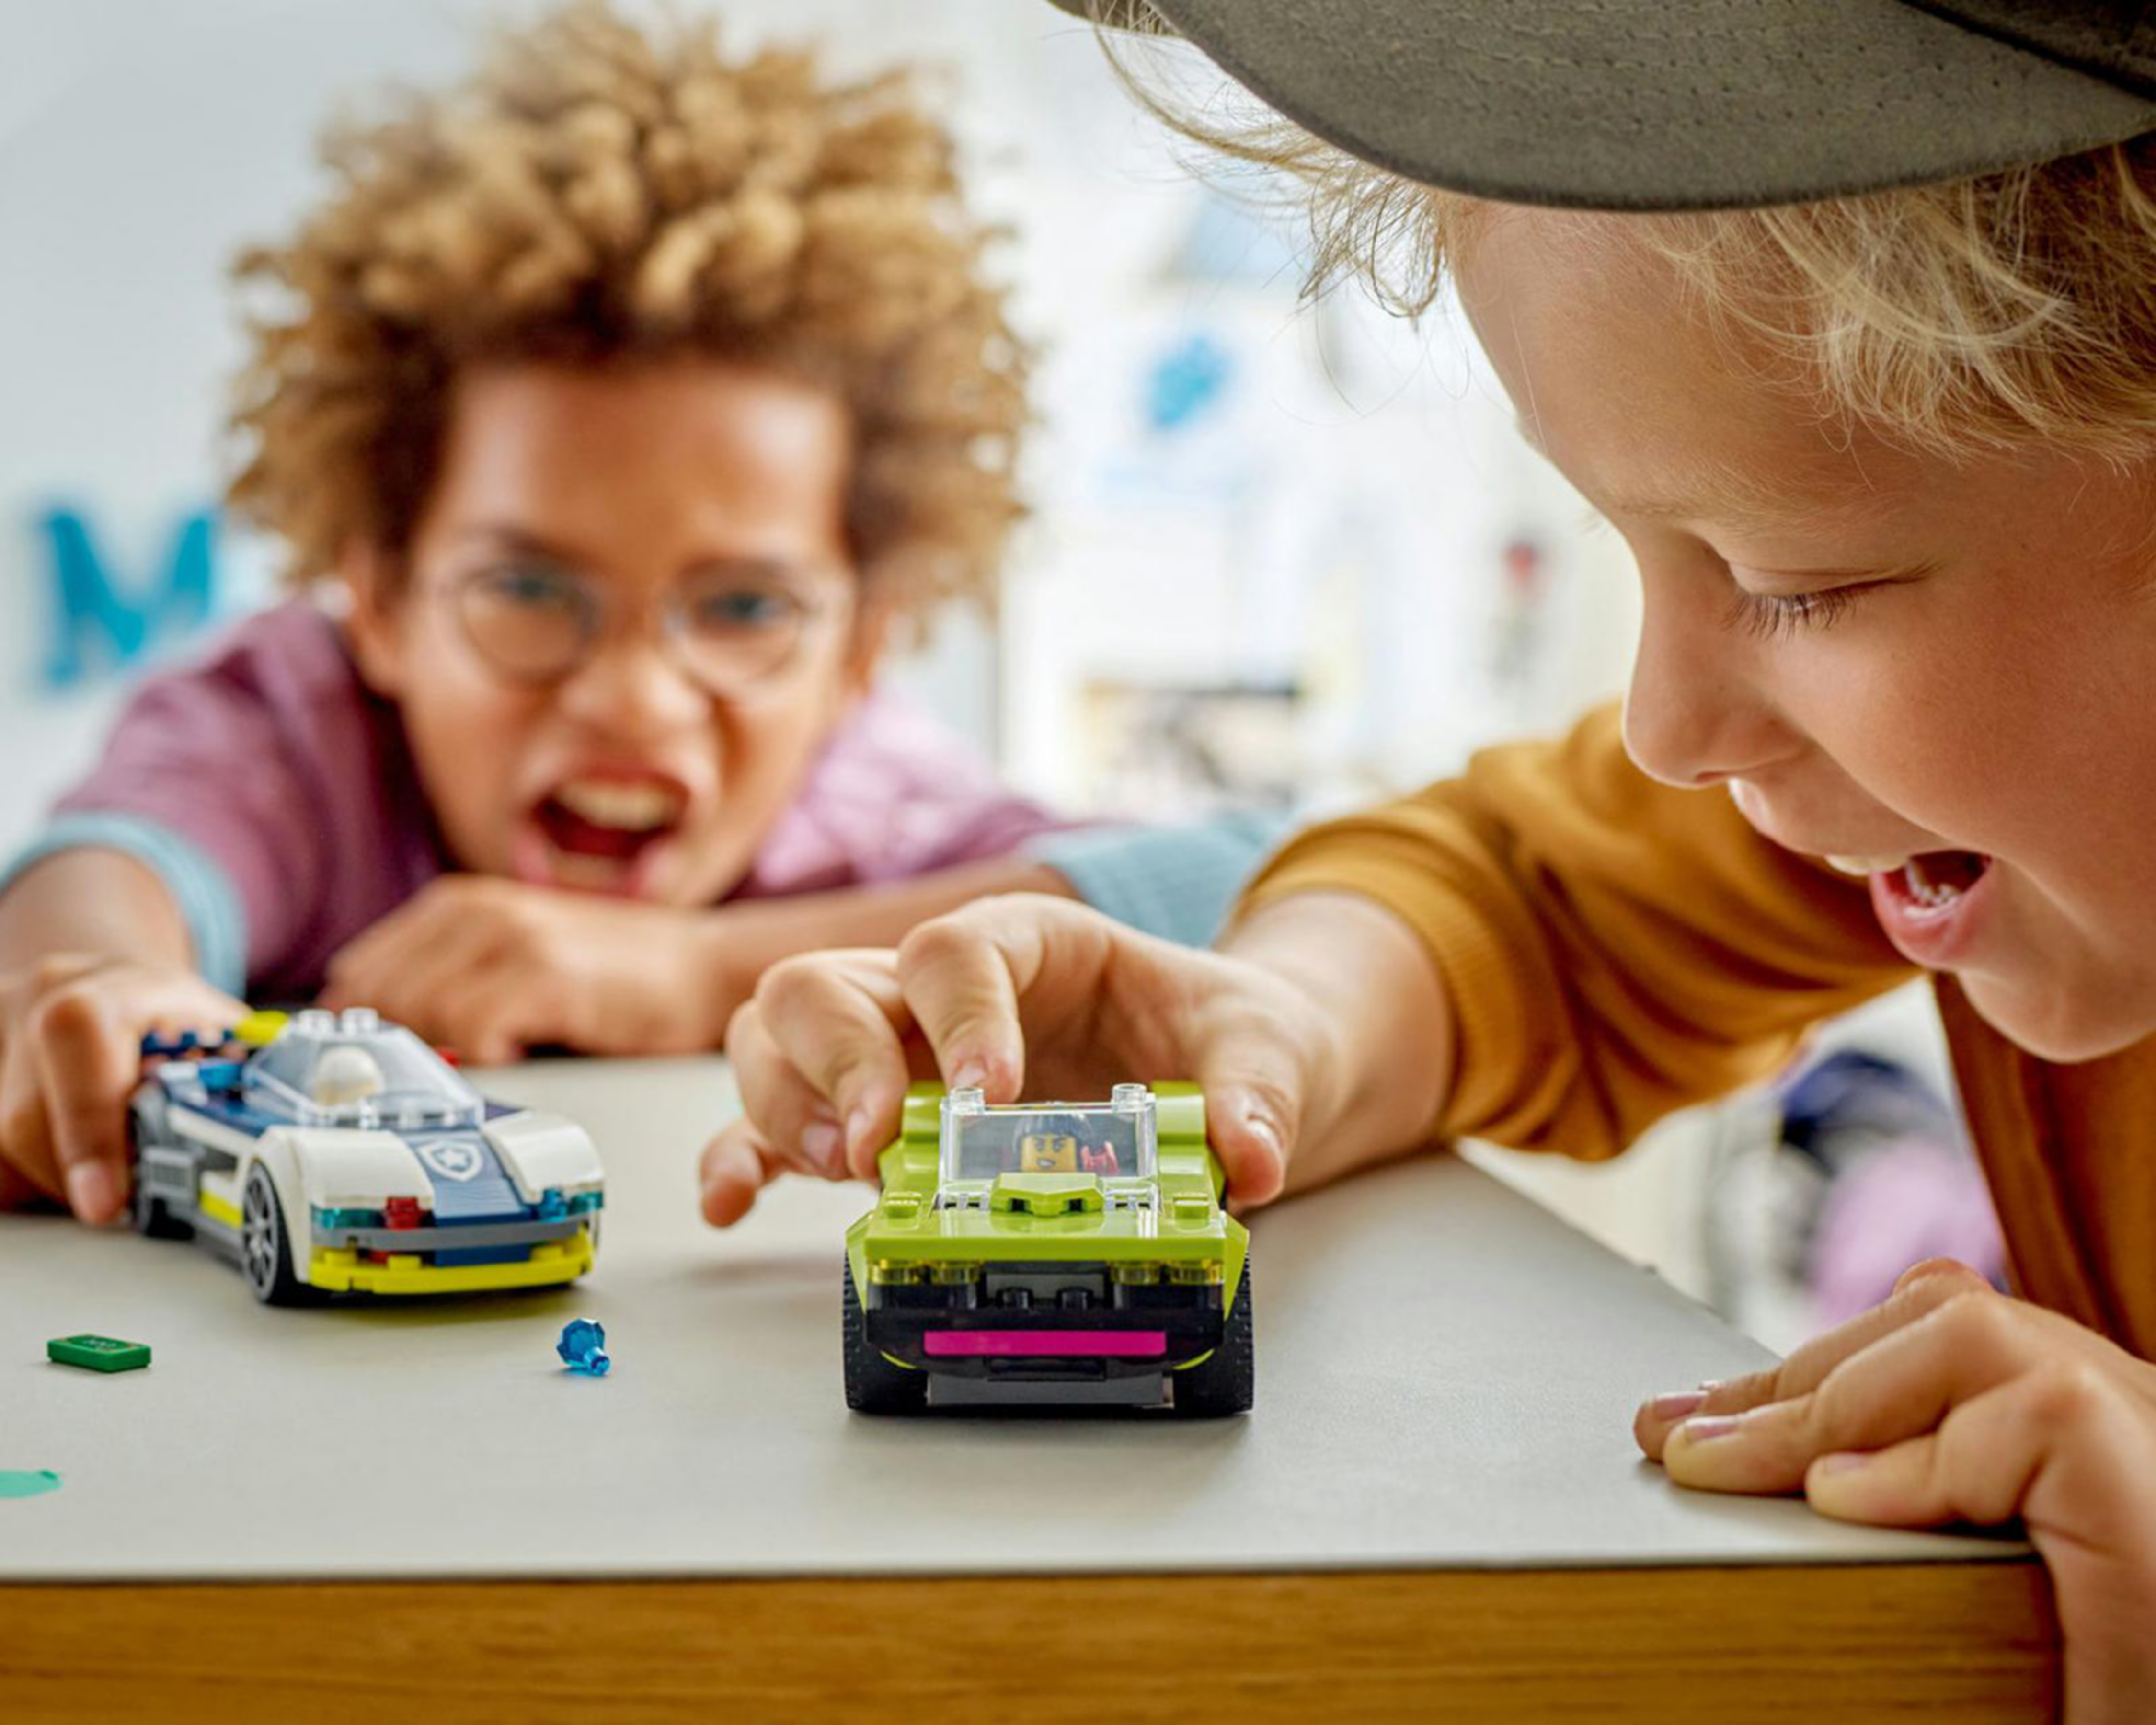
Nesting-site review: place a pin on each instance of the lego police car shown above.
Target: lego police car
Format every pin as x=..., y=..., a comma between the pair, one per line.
x=1050, y=1254
x=333, y=1153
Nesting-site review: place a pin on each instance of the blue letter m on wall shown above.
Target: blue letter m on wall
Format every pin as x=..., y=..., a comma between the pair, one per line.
x=128, y=618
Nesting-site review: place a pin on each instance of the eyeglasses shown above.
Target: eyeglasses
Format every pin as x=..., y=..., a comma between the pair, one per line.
x=728, y=626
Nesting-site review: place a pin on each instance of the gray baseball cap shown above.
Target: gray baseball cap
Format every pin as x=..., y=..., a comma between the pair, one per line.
x=1666, y=104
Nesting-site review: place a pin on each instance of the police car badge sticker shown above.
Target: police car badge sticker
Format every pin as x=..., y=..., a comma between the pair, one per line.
x=452, y=1159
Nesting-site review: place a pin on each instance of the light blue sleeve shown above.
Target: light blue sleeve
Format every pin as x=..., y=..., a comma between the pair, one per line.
x=1176, y=881
x=215, y=921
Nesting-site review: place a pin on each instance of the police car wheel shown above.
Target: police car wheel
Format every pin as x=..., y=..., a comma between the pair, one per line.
x=265, y=1257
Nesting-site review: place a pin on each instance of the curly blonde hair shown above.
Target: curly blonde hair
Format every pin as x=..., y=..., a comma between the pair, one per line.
x=598, y=193
x=2015, y=308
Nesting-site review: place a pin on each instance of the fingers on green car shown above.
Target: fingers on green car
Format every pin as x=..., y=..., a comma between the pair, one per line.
x=1050, y=1255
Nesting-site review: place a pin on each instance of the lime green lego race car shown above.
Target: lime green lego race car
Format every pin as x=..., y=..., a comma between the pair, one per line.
x=1050, y=1254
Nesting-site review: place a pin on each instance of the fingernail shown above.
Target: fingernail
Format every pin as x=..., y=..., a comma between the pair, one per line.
x=1676, y=1405
x=1844, y=1461
x=91, y=1193
x=1707, y=1430
x=1707, y=1386
x=859, y=1124
x=821, y=1143
x=1266, y=1133
x=969, y=1074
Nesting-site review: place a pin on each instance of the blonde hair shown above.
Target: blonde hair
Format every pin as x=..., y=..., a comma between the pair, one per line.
x=598, y=194
x=2018, y=307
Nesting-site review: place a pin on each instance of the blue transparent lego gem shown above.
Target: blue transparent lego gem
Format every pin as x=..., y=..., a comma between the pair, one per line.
x=582, y=1347
x=552, y=1207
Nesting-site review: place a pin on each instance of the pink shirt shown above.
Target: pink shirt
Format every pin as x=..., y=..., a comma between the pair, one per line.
x=275, y=794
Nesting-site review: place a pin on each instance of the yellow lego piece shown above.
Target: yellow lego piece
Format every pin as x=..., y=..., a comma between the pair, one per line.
x=1048, y=1154
x=258, y=1029
x=557, y=1260
x=217, y=1209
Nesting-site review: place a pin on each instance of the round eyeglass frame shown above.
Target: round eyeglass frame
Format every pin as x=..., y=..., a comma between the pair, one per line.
x=597, y=618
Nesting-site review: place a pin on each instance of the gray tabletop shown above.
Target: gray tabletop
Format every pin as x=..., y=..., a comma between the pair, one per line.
x=1445, y=1379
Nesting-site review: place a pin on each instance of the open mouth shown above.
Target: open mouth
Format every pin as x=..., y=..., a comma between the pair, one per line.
x=1930, y=879
x=1935, y=879
x=599, y=834
x=1931, y=904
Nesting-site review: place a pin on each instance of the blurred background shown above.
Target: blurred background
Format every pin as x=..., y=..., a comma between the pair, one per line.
x=1282, y=556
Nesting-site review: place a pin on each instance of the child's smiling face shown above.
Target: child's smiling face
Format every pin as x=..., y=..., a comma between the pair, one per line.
x=627, y=621
x=1880, y=654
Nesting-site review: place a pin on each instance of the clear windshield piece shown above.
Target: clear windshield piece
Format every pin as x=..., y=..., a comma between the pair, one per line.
x=1113, y=1139
x=350, y=1069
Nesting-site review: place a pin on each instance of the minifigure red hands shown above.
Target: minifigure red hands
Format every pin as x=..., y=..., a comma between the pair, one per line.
x=71, y=1029
x=1952, y=1402
x=1015, y=993
x=490, y=968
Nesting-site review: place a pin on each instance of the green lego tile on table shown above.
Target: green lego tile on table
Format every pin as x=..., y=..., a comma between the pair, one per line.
x=98, y=1353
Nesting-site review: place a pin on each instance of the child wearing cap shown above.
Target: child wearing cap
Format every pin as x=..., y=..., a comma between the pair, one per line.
x=617, y=409
x=1846, y=319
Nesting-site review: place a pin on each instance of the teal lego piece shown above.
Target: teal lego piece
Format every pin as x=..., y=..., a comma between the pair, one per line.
x=28, y=1482
x=98, y=1353
x=582, y=1347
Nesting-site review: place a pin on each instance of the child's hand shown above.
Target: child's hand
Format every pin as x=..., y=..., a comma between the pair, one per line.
x=71, y=1029
x=1019, y=993
x=490, y=968
x=1952, y=1402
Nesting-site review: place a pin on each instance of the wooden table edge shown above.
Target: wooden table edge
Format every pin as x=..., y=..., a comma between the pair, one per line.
x=1977, y=1640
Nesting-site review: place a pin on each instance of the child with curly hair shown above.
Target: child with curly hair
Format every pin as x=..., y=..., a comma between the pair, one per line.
x=627, y=400
x=1845, y=318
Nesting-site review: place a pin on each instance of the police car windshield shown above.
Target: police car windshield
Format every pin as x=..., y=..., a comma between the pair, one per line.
x=337, y=1071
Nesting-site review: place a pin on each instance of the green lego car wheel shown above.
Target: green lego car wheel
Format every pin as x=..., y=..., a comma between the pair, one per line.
x=874, y=1385
x=1225, y=1381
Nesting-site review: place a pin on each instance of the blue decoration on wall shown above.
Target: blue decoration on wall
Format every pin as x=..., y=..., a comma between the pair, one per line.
x=1185, y=382
x=130, y=618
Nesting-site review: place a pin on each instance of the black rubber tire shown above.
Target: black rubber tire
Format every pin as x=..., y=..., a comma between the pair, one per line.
x=874, y=1385
x=265, y=1257
x=1225, y=1382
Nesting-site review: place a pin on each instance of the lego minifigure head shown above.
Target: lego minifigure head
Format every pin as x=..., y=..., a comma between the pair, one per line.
x=1047, y=1153
x=344, y=1075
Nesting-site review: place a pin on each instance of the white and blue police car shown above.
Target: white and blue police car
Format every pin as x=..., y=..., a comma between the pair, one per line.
x=333, y=1153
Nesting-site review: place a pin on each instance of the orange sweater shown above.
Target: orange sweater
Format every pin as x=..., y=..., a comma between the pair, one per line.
x=1614, y=949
